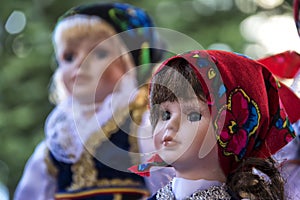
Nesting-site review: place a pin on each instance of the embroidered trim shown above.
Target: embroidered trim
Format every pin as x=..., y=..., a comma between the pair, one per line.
x=52, y=170
x=138, y=108
x=212, y=193
x=102, y=191
x=84, y=172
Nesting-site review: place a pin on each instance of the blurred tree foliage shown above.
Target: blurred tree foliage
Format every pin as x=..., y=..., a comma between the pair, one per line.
x=27, y=63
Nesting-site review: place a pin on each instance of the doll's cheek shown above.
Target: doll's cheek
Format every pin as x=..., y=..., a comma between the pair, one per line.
x=157, y=138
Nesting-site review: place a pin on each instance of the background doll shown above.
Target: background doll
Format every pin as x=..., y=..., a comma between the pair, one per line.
x=91, y=134
x=217, y=126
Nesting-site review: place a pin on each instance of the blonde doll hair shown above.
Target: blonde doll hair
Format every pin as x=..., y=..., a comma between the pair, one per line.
x=80, y=26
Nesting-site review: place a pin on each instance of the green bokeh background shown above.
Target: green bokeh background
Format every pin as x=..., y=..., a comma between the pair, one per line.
x=27, y=62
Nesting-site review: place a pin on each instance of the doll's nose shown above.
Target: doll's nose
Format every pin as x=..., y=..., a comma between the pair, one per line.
x=173, y=123
x=171, y=129
x=82, y=61
x=168, y=136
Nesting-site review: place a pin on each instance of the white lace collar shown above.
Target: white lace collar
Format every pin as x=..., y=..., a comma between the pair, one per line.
x=67, y=128
x=213, y=192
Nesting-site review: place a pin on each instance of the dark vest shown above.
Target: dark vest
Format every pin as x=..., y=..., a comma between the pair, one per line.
x=102, y=171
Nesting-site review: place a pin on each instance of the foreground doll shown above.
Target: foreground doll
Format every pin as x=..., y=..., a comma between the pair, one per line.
x=217, y=119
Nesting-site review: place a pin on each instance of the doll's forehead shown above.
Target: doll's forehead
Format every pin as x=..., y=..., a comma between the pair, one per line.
x=78, y=27
x=187, y=105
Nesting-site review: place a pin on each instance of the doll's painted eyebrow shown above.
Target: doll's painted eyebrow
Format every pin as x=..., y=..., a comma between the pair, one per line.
x=190, y=106
x=102, y=48
x=164, y=106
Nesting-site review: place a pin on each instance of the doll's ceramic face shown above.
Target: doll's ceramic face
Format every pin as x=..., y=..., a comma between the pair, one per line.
x=91, y=66
x=180, y=131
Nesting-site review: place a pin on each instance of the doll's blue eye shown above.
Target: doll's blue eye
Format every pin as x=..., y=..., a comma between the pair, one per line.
x=100, y=53
x=165, y=115
x=194, y=116
x=68, y=57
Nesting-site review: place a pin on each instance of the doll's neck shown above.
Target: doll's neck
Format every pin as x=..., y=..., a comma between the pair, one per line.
x=207, y=167
x=201, y=173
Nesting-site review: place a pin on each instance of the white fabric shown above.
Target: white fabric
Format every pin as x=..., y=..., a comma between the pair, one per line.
x=290, y=171
x=296, y=84
x=183, y=188
x=68, y=126
x=296, y=127
x=36, y=183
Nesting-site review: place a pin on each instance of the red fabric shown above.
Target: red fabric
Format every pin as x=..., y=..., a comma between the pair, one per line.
x=144, y=169
x=291, y=103
x=283, y=65
x=135, y=169
x=245, y=105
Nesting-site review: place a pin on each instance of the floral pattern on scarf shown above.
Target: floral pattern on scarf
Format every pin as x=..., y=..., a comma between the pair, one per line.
x=241, y=122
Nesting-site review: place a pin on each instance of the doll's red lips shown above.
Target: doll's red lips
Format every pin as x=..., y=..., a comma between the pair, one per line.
x=168, y=142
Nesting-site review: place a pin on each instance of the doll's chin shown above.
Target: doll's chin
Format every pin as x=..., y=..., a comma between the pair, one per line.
x=84, y=98
x=169, y=159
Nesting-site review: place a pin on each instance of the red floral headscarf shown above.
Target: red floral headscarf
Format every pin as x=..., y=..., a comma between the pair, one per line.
x=247, y=114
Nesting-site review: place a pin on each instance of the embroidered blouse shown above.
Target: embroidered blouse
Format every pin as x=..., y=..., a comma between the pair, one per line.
x=183, y=189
